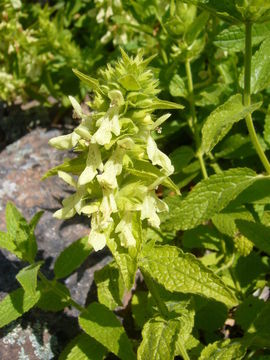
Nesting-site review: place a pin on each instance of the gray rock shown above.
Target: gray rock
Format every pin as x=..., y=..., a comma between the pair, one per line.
x=22, y=165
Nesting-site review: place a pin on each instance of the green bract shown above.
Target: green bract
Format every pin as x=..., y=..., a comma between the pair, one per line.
x=116, y=144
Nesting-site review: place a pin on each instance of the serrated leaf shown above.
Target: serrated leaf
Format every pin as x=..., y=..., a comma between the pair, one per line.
x=110, y=286
x=209, y=197
x=27, y=277
x=257, y=233
x=221, y=350
x=220, y=121
x=83, y=347
x=54, y=296
x=260, y=68
x=91, y=82
x=233, y=38
x=159, y=339
x=181, y=272
x=72, y=257
x=15, y=304
x=101, y=324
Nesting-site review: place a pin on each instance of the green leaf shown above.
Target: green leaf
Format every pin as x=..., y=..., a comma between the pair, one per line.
x=225, y=221
x=54, y=296
x=13, y=218
x=15, y=304
x=248, y=311
x=233, y=38
x=258, y=233
x=159, y=339
x=27, y=277
x=129, y=82
x=224, y=9
x=101, y=324
x=21, y=233
x=110, y=286
x=73, y=166
x=150, y=173
x=221, y=120
x=158, y=104
x=35, y=220
x=83, y=347
x=260, y=68
x=227, y=349
x=181, y=272
x=72, y=257
x=205, y=237
x=181, y=157
x=126, y=257
x=177, y=86
x=7, y=242
x=142, y=308
x=257, y=193
x=91, y=82
x=196, y=27
x=210, y=196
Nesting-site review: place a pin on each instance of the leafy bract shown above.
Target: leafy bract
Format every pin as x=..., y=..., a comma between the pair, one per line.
x=27, y=277
x=220, y=121
x=258, y=233
x=101, y=324
x=260, y=68
x=159, y=339
x=209, y=197
x=181, y=272
x=83, y=347
x=72, y=257
x=16, y=304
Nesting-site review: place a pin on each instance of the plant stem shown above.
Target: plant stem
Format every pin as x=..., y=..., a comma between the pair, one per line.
x=154, y=292
x=247, y=99
x=59, y=292
x=194, y=125
x=183, y=350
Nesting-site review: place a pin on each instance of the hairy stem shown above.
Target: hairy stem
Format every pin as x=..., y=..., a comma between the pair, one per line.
x=59, y=292
x=154, y=292
x=194, y=125
x=247, y=99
